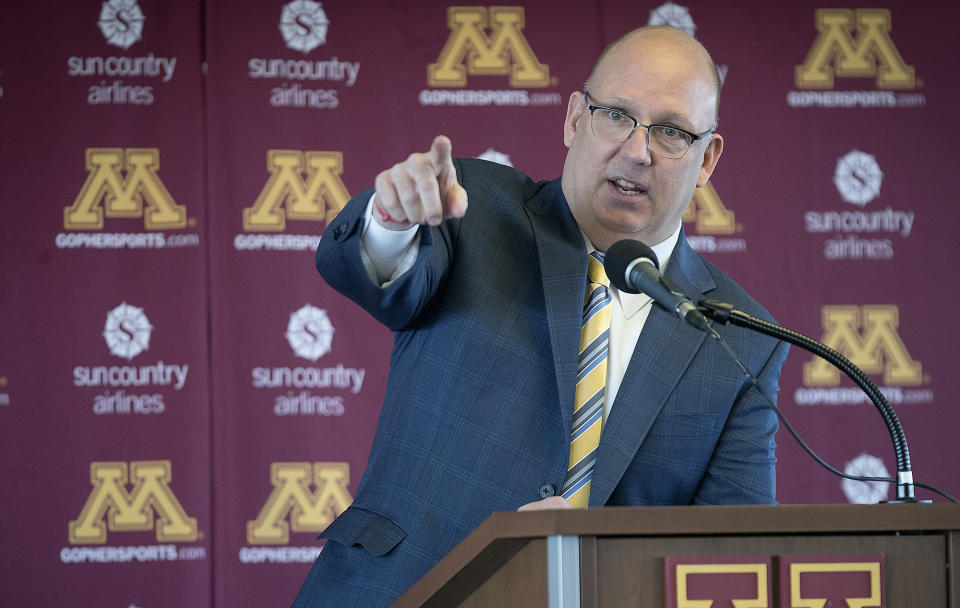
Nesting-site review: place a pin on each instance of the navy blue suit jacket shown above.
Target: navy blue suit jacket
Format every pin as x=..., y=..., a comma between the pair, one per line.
x=480, y=393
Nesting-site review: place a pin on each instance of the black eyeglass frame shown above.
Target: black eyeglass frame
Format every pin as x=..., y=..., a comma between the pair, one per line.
x=636, y=123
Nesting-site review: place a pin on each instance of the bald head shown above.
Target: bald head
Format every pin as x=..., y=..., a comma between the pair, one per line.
x=667, y=38
x=622, y=188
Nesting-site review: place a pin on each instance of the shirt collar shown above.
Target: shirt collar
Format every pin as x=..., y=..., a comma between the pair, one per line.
x=631, y=303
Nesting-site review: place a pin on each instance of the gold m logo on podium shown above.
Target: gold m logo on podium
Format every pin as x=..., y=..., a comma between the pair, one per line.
x=746, y=581
x=699, y=582
x=818, y=581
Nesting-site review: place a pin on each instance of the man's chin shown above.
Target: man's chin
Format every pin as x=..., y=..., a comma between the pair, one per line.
x=625, y=225
x=610, y=233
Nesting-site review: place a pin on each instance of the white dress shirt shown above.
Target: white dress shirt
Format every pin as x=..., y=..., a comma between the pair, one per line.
x=628, y=314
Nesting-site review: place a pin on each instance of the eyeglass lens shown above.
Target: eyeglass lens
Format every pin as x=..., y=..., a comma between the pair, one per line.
x=663, y=140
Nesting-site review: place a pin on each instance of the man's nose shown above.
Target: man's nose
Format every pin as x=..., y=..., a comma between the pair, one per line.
x=637, y=147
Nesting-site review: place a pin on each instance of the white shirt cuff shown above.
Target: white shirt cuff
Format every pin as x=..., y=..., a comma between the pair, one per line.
x=386, y=253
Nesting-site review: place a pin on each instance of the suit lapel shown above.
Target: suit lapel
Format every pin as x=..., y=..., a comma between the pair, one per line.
x=663, y=352
x=563, y=268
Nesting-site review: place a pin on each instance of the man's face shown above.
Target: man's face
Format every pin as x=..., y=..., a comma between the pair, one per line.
x=620, y=190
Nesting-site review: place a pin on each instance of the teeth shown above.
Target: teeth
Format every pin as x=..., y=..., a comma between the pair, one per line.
x=625, y=186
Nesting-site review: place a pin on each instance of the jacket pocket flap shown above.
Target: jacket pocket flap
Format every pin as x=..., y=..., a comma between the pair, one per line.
x=374, y=532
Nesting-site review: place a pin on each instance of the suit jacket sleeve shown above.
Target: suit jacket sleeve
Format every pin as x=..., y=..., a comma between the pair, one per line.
x=339, y=261
x=742, y=467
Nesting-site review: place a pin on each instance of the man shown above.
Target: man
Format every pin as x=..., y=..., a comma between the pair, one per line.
x=483, y=274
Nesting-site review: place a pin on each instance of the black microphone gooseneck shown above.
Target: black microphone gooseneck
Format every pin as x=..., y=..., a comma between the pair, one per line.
x=632, y=267
x=725, y=313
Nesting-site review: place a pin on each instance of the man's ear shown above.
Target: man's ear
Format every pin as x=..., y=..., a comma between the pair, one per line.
x=710, y=157
x=575, y=110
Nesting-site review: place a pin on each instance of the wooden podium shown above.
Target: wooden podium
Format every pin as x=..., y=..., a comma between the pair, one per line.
x=615, y=556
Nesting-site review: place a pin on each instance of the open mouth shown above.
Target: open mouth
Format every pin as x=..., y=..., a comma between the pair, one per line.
x=627, y=188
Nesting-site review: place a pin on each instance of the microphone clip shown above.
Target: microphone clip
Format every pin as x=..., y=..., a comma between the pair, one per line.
x=716, y=310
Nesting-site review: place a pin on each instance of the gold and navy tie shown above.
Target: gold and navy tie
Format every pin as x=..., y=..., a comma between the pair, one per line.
x=591, y=378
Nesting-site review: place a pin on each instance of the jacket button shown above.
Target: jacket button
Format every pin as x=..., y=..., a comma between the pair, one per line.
x=547, y=490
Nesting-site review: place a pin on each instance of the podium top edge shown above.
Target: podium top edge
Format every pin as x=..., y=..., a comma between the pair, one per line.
x=726, y=519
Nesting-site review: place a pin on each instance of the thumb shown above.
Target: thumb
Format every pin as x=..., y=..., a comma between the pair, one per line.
x=547, y=504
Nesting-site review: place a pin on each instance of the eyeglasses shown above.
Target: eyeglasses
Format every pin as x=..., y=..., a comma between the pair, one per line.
x=616, y=125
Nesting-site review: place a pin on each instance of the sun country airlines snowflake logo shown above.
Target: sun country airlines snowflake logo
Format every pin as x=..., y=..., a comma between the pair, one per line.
x=127, y=331
x=303, y=25
x=865, y=492
x=121, y=22
x=858, y=177
x=860, y=233
x=310, y=332
x=674, y=16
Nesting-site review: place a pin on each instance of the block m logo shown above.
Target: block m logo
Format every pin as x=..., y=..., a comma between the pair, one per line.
x=842, y=583
x=134, y=511
x=319, y=197
x=868, y=337
x=741, y=585
x=124, y=197
x=872, y=54
x=309, y=511
x=505, y=51
x=708, y=213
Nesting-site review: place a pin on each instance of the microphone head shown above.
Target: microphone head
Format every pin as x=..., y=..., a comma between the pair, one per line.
x=620, y=255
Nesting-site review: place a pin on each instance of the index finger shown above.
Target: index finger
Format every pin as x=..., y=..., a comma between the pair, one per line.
x=441, y=155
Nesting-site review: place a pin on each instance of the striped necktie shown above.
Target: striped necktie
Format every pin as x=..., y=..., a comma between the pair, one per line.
x=591, y=378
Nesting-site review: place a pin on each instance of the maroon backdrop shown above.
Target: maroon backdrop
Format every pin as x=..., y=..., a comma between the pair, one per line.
x=184, y=404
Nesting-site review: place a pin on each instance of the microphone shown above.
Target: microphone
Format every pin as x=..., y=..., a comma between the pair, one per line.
x=632, y=267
